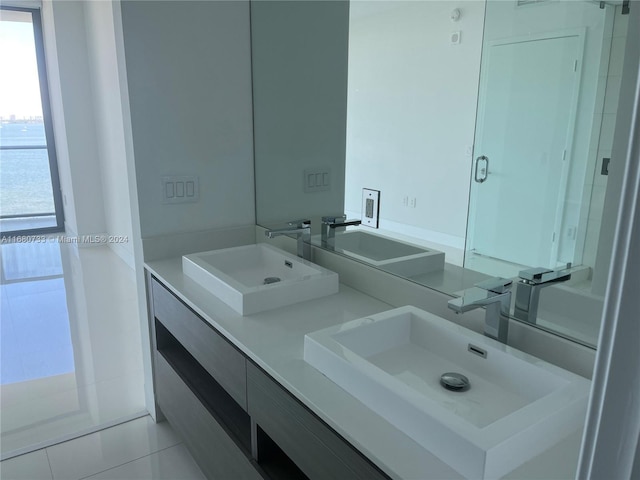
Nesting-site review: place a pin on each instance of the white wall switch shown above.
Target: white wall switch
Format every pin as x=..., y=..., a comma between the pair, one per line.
x=180, y=189
x=317, y=180
x=370, y=207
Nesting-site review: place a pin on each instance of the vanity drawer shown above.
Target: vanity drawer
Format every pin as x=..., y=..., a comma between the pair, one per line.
x=218, y=357
x=313, y=446
x=213, y=449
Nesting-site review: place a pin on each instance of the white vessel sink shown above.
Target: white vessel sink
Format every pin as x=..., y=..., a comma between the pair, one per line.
x=517, y=406
x=255, y=278
x=391, y=255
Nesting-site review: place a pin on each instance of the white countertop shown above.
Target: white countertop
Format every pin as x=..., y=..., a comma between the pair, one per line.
x=274, y=340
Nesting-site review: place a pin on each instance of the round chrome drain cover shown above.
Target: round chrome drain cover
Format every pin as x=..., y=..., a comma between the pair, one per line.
x=454, y=381
x=270, y=280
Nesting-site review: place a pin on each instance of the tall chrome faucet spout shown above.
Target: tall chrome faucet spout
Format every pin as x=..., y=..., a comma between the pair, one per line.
x=493, y=294
x=528, y=289
x=302, y=230
x=329, y=225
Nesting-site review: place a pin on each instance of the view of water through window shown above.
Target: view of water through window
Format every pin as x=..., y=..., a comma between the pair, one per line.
x=25, y=179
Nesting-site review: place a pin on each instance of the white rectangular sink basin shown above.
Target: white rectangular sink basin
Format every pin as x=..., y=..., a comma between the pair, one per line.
x=391, y=255
x=255, y=278
x=517, y=406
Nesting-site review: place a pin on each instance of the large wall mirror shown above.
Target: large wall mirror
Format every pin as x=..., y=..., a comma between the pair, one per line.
x=487, y=128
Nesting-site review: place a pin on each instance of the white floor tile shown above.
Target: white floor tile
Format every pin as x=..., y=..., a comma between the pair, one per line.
x=170, y=464
x=32, y=466
x=58, y=414
x=22, y=392
x=29, y=260
x=109, y=448
x=55, y=389
x=37, y=413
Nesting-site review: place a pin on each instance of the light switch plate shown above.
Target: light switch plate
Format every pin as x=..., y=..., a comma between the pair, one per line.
x=180, y=189
x=370, y=207
x=317, y=179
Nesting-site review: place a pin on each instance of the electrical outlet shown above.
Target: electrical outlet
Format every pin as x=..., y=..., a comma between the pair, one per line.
x=370, y=207
x=413, y=202
x=180, y=189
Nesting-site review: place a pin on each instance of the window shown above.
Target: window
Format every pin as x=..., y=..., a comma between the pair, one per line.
x=30, y=196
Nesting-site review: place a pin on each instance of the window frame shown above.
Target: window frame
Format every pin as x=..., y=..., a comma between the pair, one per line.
x=48, y=129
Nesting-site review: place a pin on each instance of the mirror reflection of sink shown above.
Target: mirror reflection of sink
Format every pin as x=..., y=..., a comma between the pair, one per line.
x=255, y=278
x=517, y=406
x=391, y=255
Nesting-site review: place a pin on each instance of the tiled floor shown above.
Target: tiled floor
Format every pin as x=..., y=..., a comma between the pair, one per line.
x=72, y=364
x=71, y=353
x=139, y=449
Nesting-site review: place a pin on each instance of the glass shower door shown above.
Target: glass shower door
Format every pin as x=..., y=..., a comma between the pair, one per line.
x=524, y=132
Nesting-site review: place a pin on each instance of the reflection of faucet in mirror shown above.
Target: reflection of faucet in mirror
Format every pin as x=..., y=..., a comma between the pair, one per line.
x=329, y=225
x=528, y=289
x=433, y=151
x=495, y=295
x=302, y=230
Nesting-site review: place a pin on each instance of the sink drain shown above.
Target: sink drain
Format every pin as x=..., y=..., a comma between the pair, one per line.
x=270, y=280
x=455, y=382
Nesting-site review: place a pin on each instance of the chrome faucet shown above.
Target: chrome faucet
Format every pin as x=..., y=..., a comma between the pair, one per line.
x=528, y=290
x=302, y=230
x=495, y=295
x=329, y=225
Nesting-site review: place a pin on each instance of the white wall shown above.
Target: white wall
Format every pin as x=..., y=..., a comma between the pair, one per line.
x=411, y=113
x=106, y=99
x=189, y=88
x=73, y=117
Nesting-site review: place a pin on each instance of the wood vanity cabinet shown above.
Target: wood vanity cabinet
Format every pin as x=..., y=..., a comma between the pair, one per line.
x=318, y=450
x=226, y=364
x=237, y=422
x=200, y=385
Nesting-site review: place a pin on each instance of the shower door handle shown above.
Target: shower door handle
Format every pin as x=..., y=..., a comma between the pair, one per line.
x=482, y=169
